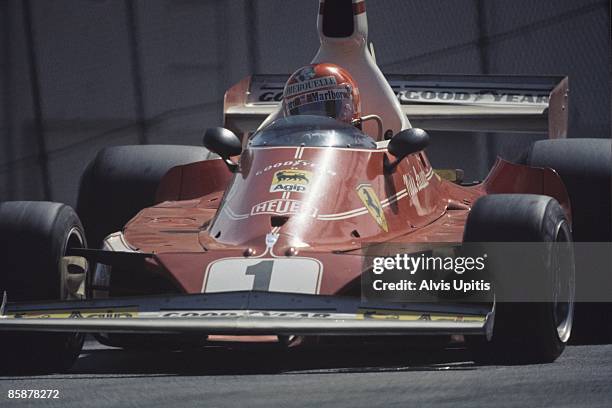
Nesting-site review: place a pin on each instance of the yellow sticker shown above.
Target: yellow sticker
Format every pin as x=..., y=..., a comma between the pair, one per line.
x=76, y=314
x=291, y=181
x=450, y=175
x=370, y=200
x=412, y=316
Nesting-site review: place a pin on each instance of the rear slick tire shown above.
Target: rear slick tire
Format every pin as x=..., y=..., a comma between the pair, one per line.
x=585, y=166
x=122, y=180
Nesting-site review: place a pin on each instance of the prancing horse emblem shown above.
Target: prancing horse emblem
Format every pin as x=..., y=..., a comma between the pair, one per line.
x=370, y=200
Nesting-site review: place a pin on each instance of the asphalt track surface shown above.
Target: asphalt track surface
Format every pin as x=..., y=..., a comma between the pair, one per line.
x=265, y=377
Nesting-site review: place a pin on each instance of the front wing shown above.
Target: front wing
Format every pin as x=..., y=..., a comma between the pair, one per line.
x=246, y=313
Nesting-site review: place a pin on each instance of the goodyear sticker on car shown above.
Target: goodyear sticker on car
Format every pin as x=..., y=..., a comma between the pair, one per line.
x=76, y=314
x=271, y=314
x=370, y=200
x=416, y=316
x=291, y=181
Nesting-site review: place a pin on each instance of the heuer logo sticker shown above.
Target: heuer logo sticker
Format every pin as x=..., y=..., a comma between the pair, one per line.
x=292, y=181
x=283, y=207
x=370, y=200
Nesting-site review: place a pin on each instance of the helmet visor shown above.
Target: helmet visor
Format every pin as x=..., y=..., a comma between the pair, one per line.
x=334, y=103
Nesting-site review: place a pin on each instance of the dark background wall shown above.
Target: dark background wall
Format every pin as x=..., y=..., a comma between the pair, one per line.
x=78, y=75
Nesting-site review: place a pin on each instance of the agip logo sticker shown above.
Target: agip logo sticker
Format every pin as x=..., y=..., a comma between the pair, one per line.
x=291, y=181
x=370, y=200
x=77, y=314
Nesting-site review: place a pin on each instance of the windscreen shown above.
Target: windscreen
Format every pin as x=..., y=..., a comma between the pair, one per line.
x=310, y=130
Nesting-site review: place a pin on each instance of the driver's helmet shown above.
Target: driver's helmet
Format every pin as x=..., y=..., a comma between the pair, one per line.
x=324, y=90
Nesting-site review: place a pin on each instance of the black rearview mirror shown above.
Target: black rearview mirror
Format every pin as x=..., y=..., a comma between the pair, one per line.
x=224, y=143
x=408, y=141
x=404, y=143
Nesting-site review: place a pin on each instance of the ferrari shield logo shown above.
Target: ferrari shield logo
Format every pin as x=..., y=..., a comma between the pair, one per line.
x=292, y=181
x=370, y=200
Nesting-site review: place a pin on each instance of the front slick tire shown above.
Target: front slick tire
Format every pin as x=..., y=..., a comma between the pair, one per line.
x=527, y=332
x=34, y=238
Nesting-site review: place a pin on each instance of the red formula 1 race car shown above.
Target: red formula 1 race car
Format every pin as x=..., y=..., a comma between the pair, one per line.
x=271, y=238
